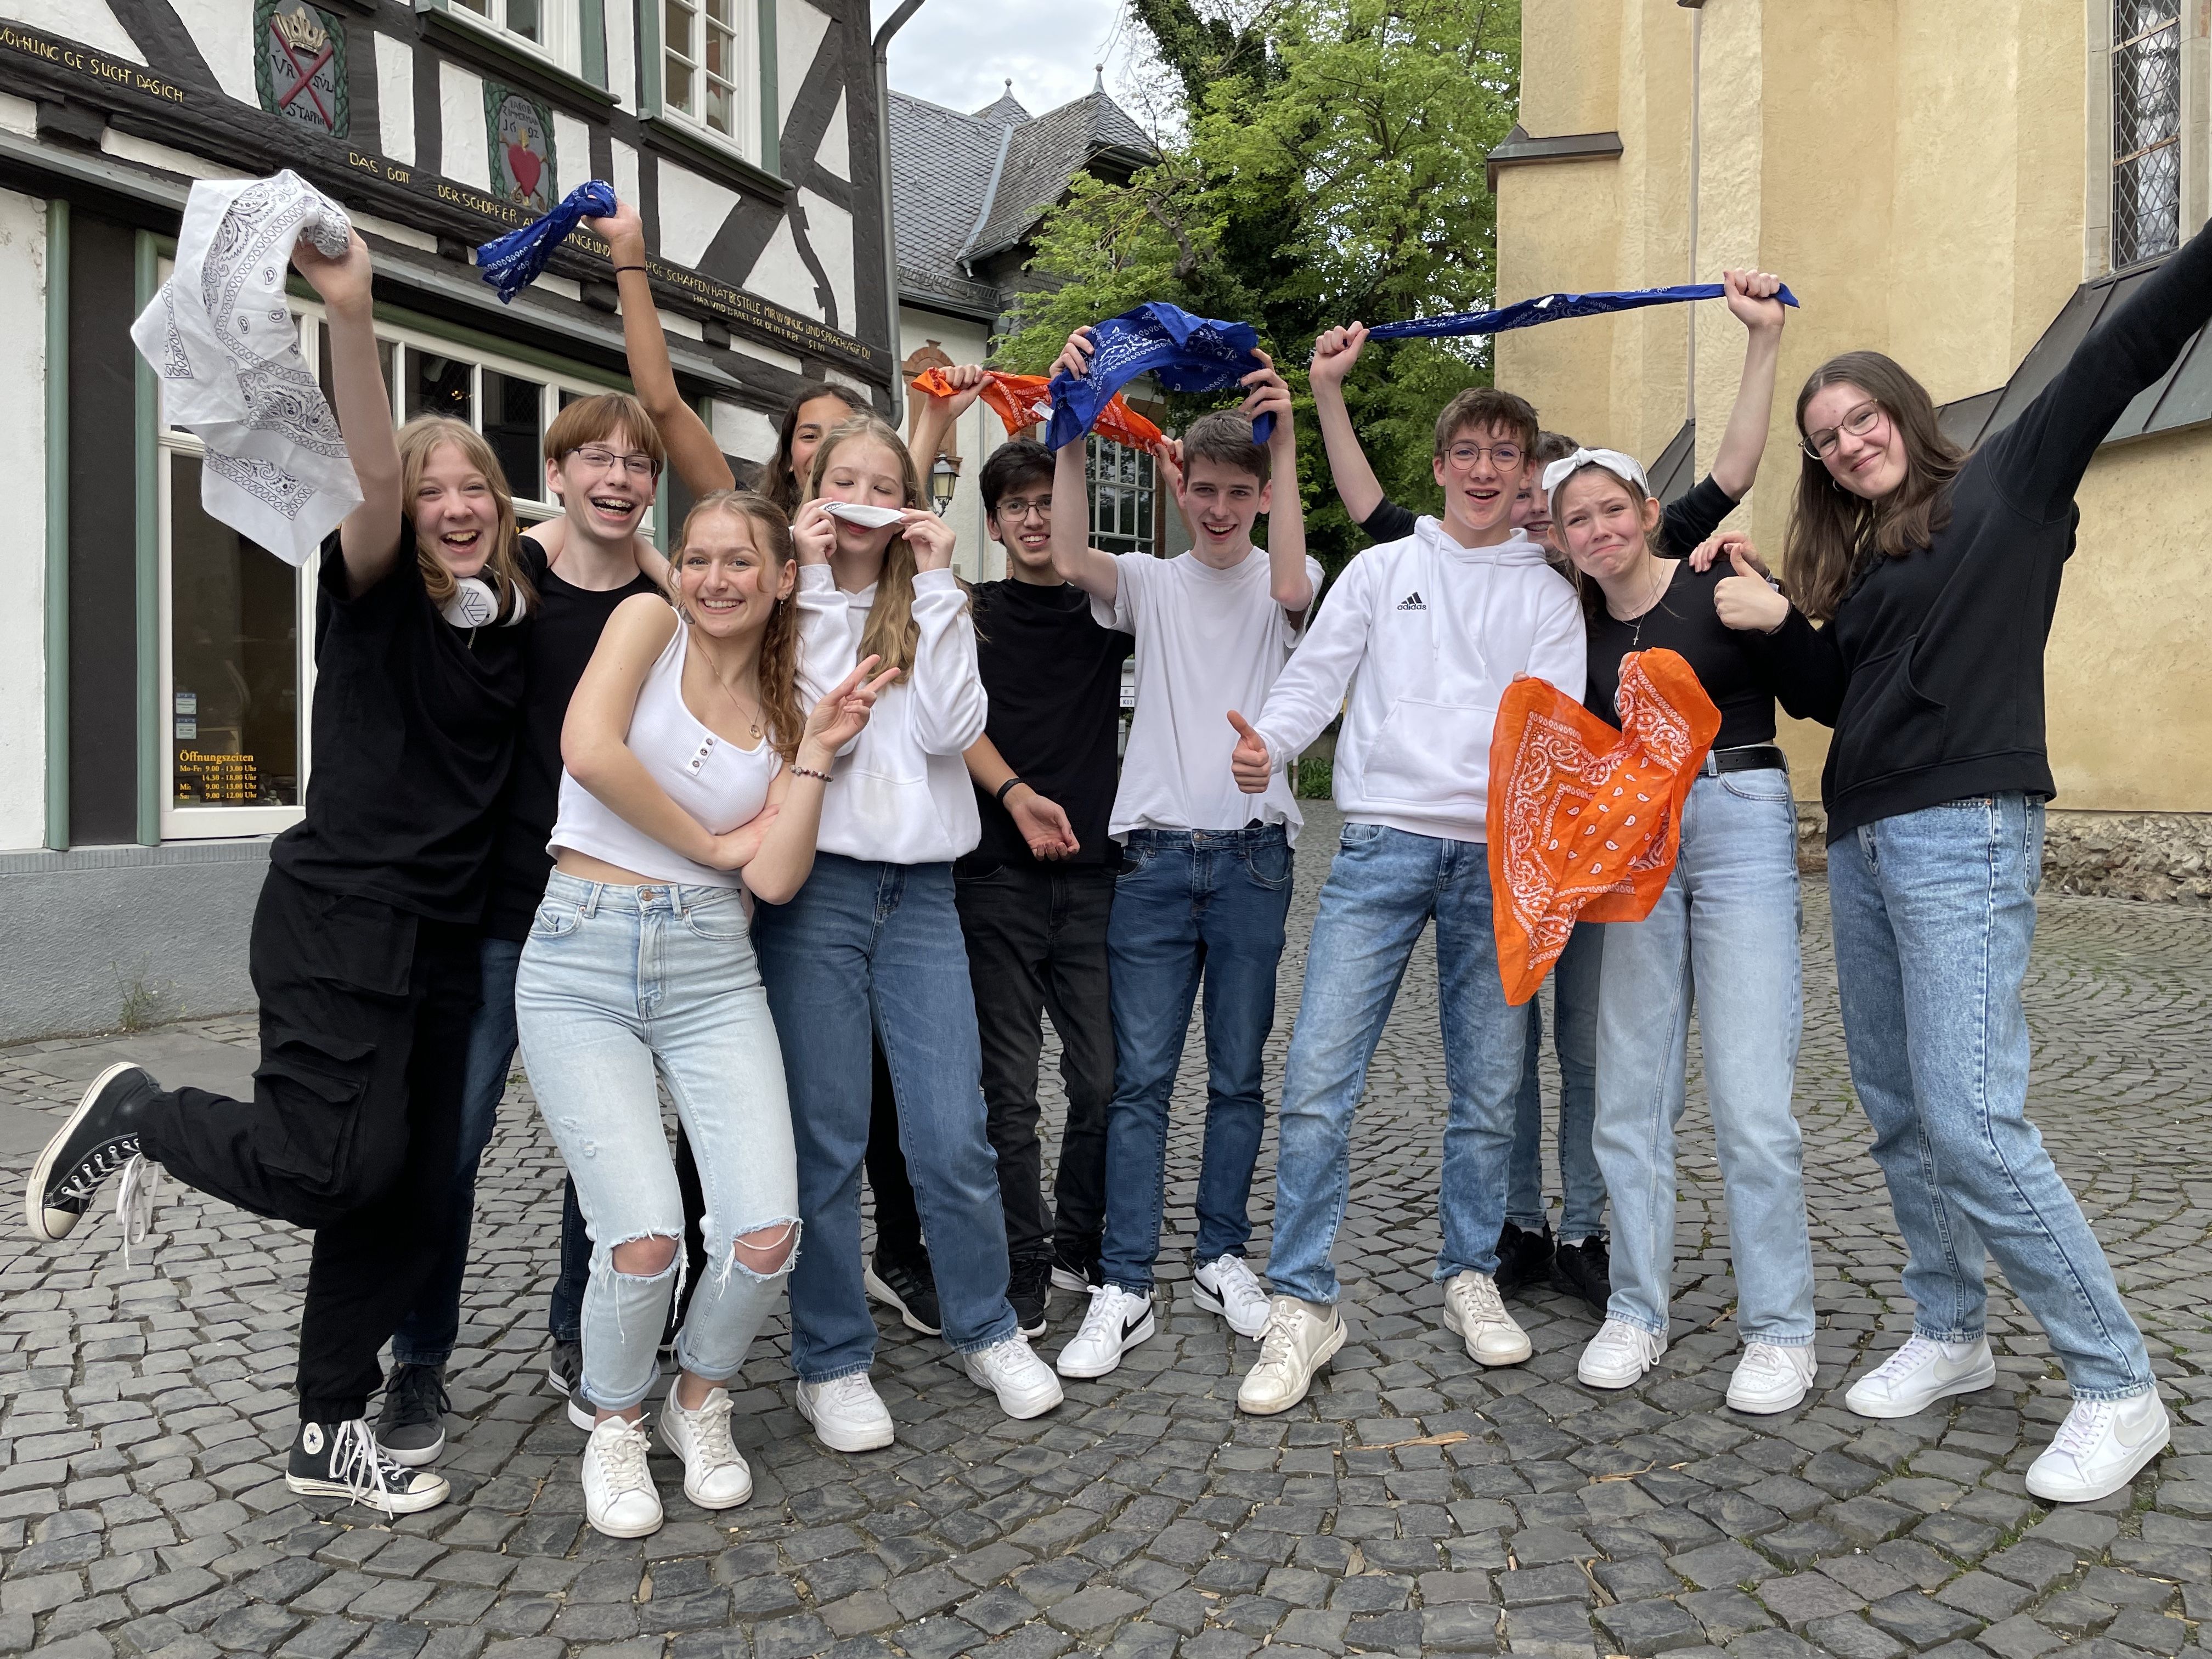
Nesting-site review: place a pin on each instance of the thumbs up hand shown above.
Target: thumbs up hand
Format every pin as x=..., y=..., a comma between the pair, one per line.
x=1745, y=601
x=1248, y=761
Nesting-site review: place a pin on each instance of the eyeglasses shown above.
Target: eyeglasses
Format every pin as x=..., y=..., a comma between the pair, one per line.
x=1464, y=456
x=1861, y=420
x=1041, y=507
x=606, y=460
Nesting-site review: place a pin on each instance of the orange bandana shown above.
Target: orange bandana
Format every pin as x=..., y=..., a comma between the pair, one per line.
x=1022, y=401
x=1586, y=821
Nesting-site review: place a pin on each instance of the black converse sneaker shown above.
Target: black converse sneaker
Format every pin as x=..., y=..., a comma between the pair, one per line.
x=342, y=1460
x=98, y=1139
x=411, y=1428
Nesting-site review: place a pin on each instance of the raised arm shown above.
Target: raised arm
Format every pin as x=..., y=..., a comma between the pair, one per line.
x=1751, y=300
x=948, y=705
x=1287, y=578
x=375, y=533
x=1073, y=558
x=934, y=416
x=692, y=451
x=1357, y=487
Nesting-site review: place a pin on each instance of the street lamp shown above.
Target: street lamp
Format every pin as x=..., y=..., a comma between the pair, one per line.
x=944, y=477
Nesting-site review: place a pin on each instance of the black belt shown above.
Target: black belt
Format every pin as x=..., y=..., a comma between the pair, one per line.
x=1751, y=757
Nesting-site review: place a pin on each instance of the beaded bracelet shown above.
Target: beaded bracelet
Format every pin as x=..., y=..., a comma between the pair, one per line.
x=809, y=772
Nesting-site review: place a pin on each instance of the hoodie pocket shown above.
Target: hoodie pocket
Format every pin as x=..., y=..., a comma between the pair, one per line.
x=1890, y=726
x=1431, y=755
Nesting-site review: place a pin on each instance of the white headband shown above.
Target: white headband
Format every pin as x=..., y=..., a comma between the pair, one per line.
x=1622, y=467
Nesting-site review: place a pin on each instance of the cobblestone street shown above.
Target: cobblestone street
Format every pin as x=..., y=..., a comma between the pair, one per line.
x=1413, y=1502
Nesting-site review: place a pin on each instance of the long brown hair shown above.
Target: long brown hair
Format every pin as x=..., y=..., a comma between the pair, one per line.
x=778, y=649
x=785, y=488
x=1833, y=532
x=419, y=439
x=891, y=632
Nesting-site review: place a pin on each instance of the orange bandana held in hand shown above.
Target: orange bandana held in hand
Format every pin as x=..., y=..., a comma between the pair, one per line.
x=1585, y=821
x=1022, y=401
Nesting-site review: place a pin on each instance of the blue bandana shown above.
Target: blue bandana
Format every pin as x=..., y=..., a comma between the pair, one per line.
x=511, y=263
x=1184, y=353
x=1551, y=308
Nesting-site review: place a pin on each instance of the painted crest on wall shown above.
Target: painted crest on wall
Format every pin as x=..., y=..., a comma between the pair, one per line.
x=300, y=64
x=521, y=137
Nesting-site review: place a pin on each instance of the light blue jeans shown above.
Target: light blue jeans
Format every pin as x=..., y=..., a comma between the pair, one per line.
x=864, y=945
x=1935, y=913
x=1722, y=938
x=618, y=986
x=1574, y=979
x=1382, y=887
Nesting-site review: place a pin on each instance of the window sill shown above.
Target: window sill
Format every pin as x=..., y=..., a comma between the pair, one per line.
x=678, y=136
x=487, y=47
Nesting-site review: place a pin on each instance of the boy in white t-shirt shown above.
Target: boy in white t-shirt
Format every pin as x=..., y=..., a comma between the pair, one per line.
x=1207, y=884
x=1426, y=633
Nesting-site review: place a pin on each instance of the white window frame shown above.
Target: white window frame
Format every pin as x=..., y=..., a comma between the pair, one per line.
x=744, y=83
x=1146, y=488
x=564, y=22
x=214, y=823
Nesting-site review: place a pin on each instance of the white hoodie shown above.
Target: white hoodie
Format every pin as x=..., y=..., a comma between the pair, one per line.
x=1428, y=635
x=900, y=791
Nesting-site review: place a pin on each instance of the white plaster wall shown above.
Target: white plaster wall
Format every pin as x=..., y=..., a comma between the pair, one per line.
x=461, y=120
x=184, y=163
x=799, y=31
x=572, y=152
x=835, y=154
x=90, y=22
x=741, y=431
x=220, y=28
x=784, y=360
x=692, y=208
x=621, y=57
x=625, y=178
x=23, y=549
x=779, y=274
x=830, y=229
x=395, y=98
x=18, y=114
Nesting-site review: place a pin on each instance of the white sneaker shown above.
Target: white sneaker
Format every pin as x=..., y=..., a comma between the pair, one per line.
x=1024, y=1384
x=1473, y=1309
x=1770, y=1378
x=846, y=1414
x=1619, y=1355
x=618, y=1496
x=2099, y=1449
x=1921, y=1373
x=1225, y=1285
x=1297, y=1337
x=715, y=1475
x=1116, y=1321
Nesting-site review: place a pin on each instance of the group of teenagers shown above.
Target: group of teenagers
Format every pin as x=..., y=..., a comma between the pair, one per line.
x=799, y=826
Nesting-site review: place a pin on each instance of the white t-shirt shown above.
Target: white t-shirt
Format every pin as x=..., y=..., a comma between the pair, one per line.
x=1207, y=641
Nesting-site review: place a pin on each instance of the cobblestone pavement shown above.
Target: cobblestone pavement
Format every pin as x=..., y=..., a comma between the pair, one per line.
x=1413, y=1503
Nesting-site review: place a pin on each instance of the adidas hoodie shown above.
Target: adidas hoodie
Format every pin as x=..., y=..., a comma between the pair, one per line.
x=1427, y=634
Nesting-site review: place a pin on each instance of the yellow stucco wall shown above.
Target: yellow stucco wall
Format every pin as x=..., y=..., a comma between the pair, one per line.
x=1915, y=172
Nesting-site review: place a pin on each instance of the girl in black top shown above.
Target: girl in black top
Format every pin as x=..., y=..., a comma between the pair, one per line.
x=1938, y=573
x=364, y=942
x=1722, y=936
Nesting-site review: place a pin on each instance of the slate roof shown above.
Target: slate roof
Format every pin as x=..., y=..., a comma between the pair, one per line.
x=967, y=187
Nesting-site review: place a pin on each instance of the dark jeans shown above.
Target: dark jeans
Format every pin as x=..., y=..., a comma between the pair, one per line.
x=898, y=1222
x=354, y=1119
x=1193, y=904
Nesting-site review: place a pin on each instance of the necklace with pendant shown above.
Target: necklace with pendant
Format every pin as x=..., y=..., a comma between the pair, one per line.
x=751, y=720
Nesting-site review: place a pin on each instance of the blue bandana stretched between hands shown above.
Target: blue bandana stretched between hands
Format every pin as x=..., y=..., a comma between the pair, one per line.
x=511, y=263
x=1184, y=353
x=1552, y=308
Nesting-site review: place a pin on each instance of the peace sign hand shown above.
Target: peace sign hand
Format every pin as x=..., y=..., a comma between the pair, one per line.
x=842, y=714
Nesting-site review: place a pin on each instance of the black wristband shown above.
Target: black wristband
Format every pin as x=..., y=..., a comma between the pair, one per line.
x=620, y=268
x=1002, y=796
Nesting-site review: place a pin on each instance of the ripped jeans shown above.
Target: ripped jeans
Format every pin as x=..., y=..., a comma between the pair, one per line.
x=619, y=985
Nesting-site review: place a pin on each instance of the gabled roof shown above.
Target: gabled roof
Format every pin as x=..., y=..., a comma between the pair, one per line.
x=966, y=186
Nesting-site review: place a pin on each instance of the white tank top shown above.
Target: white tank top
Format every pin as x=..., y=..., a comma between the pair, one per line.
x=711, y=778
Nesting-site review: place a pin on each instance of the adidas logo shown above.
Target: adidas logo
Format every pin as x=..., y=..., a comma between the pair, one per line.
x=1412, y=602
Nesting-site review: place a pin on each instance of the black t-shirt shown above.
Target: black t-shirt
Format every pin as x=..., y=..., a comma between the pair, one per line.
x=1743, y=672
x=414, y=729
x=1685, y=522
x=1054, y=676
x=566, y=631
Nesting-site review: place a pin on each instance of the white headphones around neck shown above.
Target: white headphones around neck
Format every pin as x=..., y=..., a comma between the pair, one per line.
x=475, y=604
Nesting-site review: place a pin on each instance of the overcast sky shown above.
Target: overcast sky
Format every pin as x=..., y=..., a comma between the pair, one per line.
x=961, y=52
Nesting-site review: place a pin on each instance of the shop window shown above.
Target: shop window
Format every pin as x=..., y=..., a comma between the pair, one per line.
x=1124, y=485
x=707, y=67
x=2146, y=129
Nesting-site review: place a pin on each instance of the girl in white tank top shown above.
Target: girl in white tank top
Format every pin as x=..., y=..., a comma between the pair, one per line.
x=691, y=781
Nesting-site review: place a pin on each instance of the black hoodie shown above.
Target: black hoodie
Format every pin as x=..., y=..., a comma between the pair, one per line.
x=1942, y=647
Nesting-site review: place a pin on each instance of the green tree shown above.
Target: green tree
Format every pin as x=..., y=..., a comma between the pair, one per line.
x=1328, y=169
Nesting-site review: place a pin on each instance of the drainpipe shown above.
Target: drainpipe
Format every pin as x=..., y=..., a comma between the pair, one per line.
x=1696, y=9
x=892, y=25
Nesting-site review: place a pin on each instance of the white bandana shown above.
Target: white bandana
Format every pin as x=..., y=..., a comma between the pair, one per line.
x=1623, y=467
x=219, y=337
